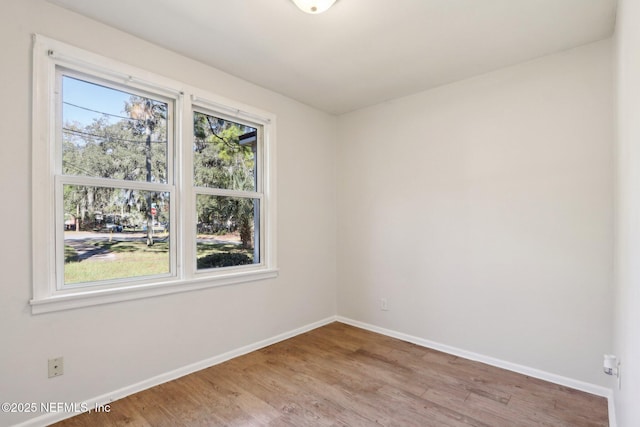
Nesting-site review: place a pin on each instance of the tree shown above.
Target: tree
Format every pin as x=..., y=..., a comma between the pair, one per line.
x=131, y=148
x=221, y=161
x=149, y=121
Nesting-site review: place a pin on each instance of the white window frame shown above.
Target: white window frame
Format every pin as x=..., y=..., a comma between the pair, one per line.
x=47, y=213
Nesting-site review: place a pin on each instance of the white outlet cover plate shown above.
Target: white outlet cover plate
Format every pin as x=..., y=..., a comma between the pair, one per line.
x=56, y=367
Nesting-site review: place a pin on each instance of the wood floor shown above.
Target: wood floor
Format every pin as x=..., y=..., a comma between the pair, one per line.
x=339, y=375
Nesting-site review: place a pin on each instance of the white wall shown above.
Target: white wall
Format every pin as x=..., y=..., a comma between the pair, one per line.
x=482, y=210
x=627, y=296
x=111, y=346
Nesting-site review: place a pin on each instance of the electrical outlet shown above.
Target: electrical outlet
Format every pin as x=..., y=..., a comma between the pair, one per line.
x=56, y=367
x=383, y=304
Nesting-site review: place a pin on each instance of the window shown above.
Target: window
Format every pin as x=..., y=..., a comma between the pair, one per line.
x=225, y=160
x=143, y=185
x=115, y=178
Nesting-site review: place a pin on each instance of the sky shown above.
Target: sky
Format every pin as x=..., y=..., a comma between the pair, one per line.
x=91, y=96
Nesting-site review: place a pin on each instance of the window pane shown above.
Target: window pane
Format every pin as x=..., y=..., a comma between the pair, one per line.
x=113, y=233
x=224, y=154
x=228, y=231
x=108, y=133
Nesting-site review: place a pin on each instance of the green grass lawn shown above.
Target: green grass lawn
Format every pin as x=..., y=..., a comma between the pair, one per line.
x=128, y=259
x=135, y=259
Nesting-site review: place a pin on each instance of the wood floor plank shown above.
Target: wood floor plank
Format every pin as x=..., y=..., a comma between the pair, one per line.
x=454, y=402
x=339, y=375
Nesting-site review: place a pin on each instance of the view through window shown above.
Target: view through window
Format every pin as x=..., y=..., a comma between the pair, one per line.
x=113, y=229
x=227, y=201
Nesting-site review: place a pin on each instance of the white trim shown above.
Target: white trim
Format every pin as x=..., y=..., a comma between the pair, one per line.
x=69, y=56
x=222, y=105
x=42, y=165
x=106, y=398
x=503, y=364
x=114, y=183
x=613, y=422
x=91, y=296
x=269, y=213
x=207, y=191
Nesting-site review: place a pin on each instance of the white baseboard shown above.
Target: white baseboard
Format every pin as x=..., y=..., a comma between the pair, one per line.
x=525, y=370
x=50, y=418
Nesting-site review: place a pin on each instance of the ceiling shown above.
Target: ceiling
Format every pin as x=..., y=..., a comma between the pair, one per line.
x=360, y=52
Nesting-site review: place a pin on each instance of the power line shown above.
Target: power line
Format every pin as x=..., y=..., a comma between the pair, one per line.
x=76, y=167
x=102, y=112
x=107, y=137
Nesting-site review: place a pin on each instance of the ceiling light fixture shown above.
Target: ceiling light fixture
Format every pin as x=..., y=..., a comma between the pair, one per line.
x=314, y=6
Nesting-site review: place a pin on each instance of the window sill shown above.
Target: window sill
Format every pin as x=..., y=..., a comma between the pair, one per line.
x=68, y=300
